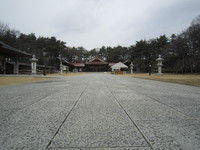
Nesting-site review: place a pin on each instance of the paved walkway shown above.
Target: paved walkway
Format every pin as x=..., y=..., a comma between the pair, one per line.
x=99, y=111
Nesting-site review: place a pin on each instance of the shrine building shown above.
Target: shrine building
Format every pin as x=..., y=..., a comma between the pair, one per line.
x=94, y=65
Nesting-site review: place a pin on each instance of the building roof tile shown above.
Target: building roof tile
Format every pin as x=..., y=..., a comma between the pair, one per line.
x=10, y=51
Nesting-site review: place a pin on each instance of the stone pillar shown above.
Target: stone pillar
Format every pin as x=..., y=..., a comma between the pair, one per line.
x=2, y=64
x=159, y=60
x=131, y=68
x=16, y=66
x=33, y=65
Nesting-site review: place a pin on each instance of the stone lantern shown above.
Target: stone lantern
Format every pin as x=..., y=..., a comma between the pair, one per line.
x=131, y=65
x=159, y=60
x=61, y=65
x=61, y=68
x=33, y=65
x=150, y=69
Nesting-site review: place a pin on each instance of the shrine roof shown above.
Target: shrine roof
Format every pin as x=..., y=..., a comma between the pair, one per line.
x=111, y=64
x=78, y=64
x=96, y=61
x=10, y=51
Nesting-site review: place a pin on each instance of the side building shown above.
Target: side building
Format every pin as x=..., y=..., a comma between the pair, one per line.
x=12, y=59
x=94, y=65
x=15, y=61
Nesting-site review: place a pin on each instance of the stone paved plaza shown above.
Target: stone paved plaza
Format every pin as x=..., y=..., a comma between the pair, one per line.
x=99, y=112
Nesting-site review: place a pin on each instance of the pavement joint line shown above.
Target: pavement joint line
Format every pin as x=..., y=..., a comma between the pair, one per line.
x=66, y=117
x=18, y=109
x=174, y=109
x=111, y=147
x=160, y=120
x=22, y=93
x=145, y=138
x=161, y=102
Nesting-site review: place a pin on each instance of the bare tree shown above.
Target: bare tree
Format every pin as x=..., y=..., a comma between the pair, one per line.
x=3, y=28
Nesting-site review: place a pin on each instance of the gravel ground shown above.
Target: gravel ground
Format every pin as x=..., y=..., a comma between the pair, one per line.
x=99, y=111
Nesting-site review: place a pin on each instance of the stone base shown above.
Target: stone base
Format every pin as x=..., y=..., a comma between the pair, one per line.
x=159, y=74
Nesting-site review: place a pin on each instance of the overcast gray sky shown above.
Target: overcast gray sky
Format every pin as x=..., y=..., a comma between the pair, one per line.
x=94, y=23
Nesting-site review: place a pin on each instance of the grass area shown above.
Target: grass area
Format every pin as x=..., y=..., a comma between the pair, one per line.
x=12, y=80
x=193, y=80
x=188, y=79
x=6, y=81
x=67, y=74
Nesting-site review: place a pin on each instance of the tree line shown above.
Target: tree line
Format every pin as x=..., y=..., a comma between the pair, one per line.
x=181, y=52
